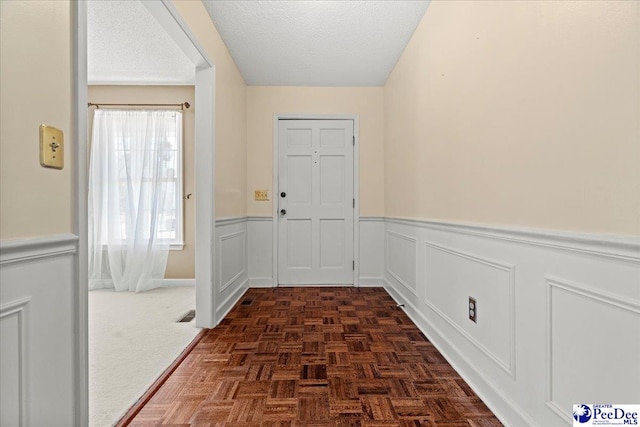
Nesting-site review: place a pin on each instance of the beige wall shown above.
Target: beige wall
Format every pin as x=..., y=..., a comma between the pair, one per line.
x=264, y=102
x=181, y=264
x=35, y=82
x=230, y=114
x=522, y=113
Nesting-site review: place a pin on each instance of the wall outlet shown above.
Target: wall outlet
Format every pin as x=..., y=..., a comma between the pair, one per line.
x=473, y=310
x=261, y=195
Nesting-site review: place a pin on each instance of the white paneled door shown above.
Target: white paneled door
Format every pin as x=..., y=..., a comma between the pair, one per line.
x=315, y=202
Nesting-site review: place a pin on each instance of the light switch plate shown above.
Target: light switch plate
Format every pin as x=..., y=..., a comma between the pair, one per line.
x=51, y=147
x=261, y=195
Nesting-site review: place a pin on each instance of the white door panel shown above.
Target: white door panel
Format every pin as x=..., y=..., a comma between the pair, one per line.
x=316, y=174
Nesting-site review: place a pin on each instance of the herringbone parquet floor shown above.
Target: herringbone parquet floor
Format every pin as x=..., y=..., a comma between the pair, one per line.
x=315, y=357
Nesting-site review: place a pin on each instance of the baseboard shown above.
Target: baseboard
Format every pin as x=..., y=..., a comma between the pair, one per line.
x=371, y=282
x=231, y=301
x=176, y=283
x=503, y=408
x=261, y=282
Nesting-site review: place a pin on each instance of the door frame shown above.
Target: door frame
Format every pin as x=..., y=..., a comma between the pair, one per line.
x=356, y=185
x=170, y=19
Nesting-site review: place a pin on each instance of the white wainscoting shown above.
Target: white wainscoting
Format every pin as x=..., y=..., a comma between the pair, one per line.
x=400, y=259
x=260, y=252
x=558, y=314
x=591, y=330
x=37, y=353
x=231, y=275
x=260, y=238
x=371, y=251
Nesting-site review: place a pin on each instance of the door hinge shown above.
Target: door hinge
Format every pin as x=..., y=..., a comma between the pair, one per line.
x=354, y=203
x=353, y=265
x=354, y=140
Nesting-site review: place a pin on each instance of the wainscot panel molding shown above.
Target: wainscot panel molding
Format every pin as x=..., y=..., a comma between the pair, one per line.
x=575, y=314
x=232, y=258
x=400, y=259
x=231, y=277
x=37, y=341
x=485, y=280
x=550, y=307
x=14, y=362
x=500, y=404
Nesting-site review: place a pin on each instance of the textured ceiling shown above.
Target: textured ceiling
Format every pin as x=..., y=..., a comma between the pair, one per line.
x=316, y=43
x=126, y=45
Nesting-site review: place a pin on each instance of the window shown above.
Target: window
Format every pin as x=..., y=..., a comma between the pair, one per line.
x=171, y=226
x=144, y=154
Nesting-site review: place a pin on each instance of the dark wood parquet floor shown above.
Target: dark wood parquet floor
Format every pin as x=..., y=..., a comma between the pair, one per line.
x=315, y=357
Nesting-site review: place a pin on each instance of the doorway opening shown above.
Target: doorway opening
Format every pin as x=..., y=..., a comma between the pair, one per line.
x=166, y=14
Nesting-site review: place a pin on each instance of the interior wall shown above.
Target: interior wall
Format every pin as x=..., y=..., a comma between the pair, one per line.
x=521, y=113
x=35, y=81
x=181, y=263
x=265, y=101
x=230, y=113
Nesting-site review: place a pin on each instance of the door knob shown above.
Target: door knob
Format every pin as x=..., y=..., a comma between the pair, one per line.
x=283, y=211
x=283, y=194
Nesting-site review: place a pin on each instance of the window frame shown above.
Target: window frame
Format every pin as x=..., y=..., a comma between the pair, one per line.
x=177, y=244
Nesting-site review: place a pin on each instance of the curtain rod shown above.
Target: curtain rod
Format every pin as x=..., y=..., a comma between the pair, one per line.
x=182, y=106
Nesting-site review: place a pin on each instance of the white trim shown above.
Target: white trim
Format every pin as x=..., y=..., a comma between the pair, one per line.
x=231, y=300
x=507, y=366
x=31, y=248
x=371, y=282
x=356, y=183
x=221, y=222
x=170, y=19
x=177, y=283
x=177, y=243
x=386, y=257
x=356, y=196
x=80, y=221
x=259, y=218
x=139, y=83
x=261, y=282
x=205, y=201
x=172, y=22
x=20, y=308
x=178, y=246
x=244, y=265
x=177, y=28
x=371, y=219
x=619, y=247
x=584, y=291
x=510, y=414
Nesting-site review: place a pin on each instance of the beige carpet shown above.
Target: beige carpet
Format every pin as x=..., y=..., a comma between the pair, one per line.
x=133, y=338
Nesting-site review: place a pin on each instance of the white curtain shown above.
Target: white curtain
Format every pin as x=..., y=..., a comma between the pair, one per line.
x=130, y=197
